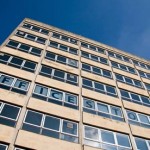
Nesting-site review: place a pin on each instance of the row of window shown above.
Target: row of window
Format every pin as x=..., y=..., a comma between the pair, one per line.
x=24, y=47
x=59, y=75
x=18, y=62
x=115, y=113
x=141, y=64
x=61, y=59
x=14, y=84
x=64, y=38
x=31, y=37
x=63, y=47
x=35, y=28
x=55, y=96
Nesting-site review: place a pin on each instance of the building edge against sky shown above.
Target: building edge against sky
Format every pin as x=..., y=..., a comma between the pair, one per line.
x=63, y=91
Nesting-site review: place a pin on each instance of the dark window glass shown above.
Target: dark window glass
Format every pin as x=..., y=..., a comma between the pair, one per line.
x=72, y=77
x=95, y=58
x=24, y=47
x=52, y=123
x=73, y=41
x=137, y=83
x=124, y=93
x=115, y=111
x=41, y=90
x=141, y=144
x=99, y=86
x=86, y=67
x=145, y=100
x=111, y=54
x=46, y=70
x=64, y=38
x=87, y=82
x=110, y=89
x=72, y=62
x=54, y=44
x=4, y=57
x=103, y=60
x=128, y=80
x=132, y=115
x=123, y=140
x=84, y=45
x=96, y=70
x=50, y=55
x=56, y=94
x=21, y=84
x=85, y=54
x=3, y=147
x=44, y=31
x=131, y=70
x=73, y=50
x=135, y=97
x=36, y=28
x=89, y=104
x=59, y=74
x=92, y=47
x=61, y=59
x=33, y=118
x=123, y=67
x=31, y=37
x=30, y=65
x=114, y=64
x=119, y=77
x=107, y=73
x=6, y=80
x=107, y=137
x=41, y=40
x=71, y=98
x=56, y=35
x=118, y=56
x=144, y=118
x=63, y=47
x=36, y=51
x=13, y=43
x=27, y=26
x=10, y=111
x=20, y=33
x=16, y=61
x=102, y=107
x=101, y=50
x=126, y=59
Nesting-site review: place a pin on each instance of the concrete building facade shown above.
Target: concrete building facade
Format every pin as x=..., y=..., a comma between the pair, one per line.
x=62, y=91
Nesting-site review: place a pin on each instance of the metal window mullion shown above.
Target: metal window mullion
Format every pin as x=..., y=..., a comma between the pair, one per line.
x=42, y=122
x=18, y=46
x=11, y=57
x=52, y=74
x=65, y=76
x=25, y=36
x=2, y=106
x=36, y=38
x=58, y=46
x=29, y=51
x=13, y=83
x=115, y=138
x=23, y=63
x=105, y=88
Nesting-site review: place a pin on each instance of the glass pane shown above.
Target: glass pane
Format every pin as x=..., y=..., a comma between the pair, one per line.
x=85, y=54
x=46, y=70
x=69, y=127
x=138, y=83
x=107, y=137
x=71, y=98
x=99, y=86
x=13, y=43
x=53, y=44
x=132, y=115
x=91, y=133
x=86, y=67
x=107, y=73
x=123, y=67
x=135, y=97
x=103, y=107
x=73, y=50
x=87, y=82
x=128, y=80
x=64, y=38
x=41, y=90
x=30, y=65
x=103, y=60
x=36, y=50
x=114, y=64
x=63, y=47
x=3, y=147
x=4, y=57
x=145, y=100
x=52, y=123
x=10, y=111
x=6, y=80
x=72, y=62
x=61, y=58
x=36, y=28
x=124, y=93
x=72, y=78
x=119, y=77
x=143, y=118
x=95, y=58
x=31, y=37
x=116, y=111
x=56, y=94
x=141, y=144
x=59, y=74
x=41, y=40
x=56, y=35
x=131, y=70
x=89, y=103
x=96, y=70
x=50, y=55
x=110, y=89
x=16, y=61
x=123, y=140
x=24, y=47
x=21, y=84
x=33, y=118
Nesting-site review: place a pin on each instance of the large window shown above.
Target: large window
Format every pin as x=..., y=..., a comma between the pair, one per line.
x=147, y=86
x=14, y=84
x=64, y=38
x=118, y=56
x=99, y=87
x=142, y=144
x=105, y=139
x=59, y=75
x=138, y=119
x=102, y=109
x=55, y=96
x=35, y=28
x=63, y=47
x=9, y=114
x=94, y=57
x=31, y=37
x=61, y=59
x=129, y=81
x=144, y=74
x=141, y=64
x=93, y=48
x=96, y=70
x=18, y=62
x=24, y=47
x=135, y=98
x=123, y=67
x=3, y=146
x=50, y=126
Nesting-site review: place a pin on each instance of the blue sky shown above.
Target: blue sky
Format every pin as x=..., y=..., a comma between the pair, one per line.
x=124, y=24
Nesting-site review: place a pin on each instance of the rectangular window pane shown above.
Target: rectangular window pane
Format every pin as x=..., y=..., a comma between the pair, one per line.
x=107, y=137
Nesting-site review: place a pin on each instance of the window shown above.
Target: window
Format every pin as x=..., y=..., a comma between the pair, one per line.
x=9, y=114
x=118, y=56
x=55, y=96
x=24, y=47
x=105, y=139
x=59, y=75
x=61, y=59
x=31, y=37
x=142, y=144
x=18, y=62
x=14, y=84
x=123, y=67
x=17, y=148
x=63, y=47
x=145, y=66
x=3, y=146
x=135, y=98
x=50, y=126
x=64, y=38
x=102, y=109
x=94, y=48
x=35, y=28
x=147, y=86
x=138, y=119
x=94, y=57
x=144, y=75
x=129, y=81
x=99, y=87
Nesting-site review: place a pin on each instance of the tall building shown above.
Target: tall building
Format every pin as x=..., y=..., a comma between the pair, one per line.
x=62, y=91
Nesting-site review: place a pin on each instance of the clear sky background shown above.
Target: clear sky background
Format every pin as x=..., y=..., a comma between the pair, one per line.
x=124, y=24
